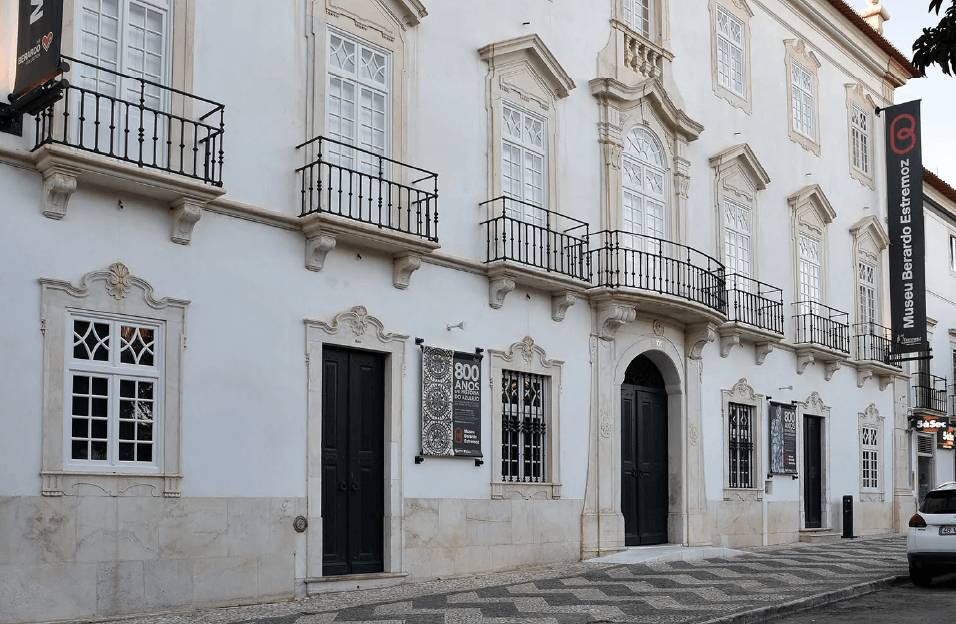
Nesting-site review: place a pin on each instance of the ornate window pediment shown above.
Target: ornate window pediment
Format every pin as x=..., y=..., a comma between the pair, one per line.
x=812, y=209
x=869, y=237
x=511, y=60
x=385, y=16
x=740, y=172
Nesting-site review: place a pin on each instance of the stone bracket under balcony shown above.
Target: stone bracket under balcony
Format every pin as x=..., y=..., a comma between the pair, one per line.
x=733, y=334
x=831, y=359
x=884, y=373
x=64, y=167
x=504, y=277
x=323, y=230
x=660, y=305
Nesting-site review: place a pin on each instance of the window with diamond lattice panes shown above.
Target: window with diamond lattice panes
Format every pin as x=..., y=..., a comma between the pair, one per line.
x=644, y=189
x=860, y=130
x=523, y=169
x=867, y=281
x=637, y=15
x=114, y=378
x=810, y=273
x=737, y=254
x=524, y=427
x=870, y=457
x=802, y=90
x=741, y=446
x=730, y=52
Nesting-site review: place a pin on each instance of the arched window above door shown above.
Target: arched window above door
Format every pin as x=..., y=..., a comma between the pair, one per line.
x=644, y=182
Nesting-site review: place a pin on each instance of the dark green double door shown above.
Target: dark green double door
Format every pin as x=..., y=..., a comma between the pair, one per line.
x=353, y=449
x=644, y=465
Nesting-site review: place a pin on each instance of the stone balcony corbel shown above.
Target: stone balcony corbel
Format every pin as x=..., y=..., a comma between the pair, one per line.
x=612, y=317
x=59, y=183
x=881, y=371
x=498, y=288
x=697, y=336
x=812, y=353
x=560, y=303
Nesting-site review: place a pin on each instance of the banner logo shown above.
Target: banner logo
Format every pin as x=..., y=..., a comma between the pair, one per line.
x=907, y=133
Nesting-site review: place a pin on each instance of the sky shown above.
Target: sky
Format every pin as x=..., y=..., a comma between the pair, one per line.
x=937, y=90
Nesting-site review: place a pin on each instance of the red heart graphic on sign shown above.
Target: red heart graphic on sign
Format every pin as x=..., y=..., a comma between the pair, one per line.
x=46, y=41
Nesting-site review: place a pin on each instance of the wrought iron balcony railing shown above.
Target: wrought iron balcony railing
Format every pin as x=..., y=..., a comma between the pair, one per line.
x=129, y=118
x=873, y=342
x=624, y=260
x=359, y=184
x=754, y=303
x=524, y=233
x=929, y=392
x=821, y=325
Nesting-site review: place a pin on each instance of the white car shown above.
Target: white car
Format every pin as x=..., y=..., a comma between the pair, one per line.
x=931, y=540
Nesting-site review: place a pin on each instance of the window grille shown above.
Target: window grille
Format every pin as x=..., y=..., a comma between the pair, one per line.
x=802, y=89
x=741, y=446
x=870, y=457
x=860, y=128
x=730, y=52
x=523, y=427
x=114, y=380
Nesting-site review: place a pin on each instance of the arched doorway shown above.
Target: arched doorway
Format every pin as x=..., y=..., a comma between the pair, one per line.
x=644, y=454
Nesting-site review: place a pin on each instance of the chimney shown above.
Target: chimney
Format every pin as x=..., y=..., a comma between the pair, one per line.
x=875, y=15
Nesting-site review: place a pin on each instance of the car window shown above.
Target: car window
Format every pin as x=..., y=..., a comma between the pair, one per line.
x=939, y=502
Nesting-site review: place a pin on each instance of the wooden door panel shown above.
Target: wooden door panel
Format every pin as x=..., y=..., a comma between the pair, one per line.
x=629, y=470
x=334, y=463
x=813, y=471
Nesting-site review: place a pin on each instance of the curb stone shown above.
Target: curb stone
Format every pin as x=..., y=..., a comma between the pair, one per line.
x=763, y=614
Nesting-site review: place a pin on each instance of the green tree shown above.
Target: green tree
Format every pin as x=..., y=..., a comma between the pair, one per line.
x=937, y=46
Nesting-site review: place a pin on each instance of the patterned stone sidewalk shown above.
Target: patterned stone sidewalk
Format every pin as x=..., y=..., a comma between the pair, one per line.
x=746, y=588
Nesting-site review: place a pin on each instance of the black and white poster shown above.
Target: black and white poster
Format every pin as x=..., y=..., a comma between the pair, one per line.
x=783, y=438
x=38, y=44
x=451, y=403
x=904, y=196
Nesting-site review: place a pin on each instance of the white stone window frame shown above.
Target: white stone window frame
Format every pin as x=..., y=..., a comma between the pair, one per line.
x=857, y=98
x=100, y=294
x=527, y=149
x=738, y=178
x=639, y=15
x=527, y=357
x=811, y=213
x=740, y=11
x=871, y=419
x=660, y=168
x=952, y=254
x=814, y=406
x=115, y=372
x=742, y=393
x=869, y=242
x=523, y=73
x=798, y=56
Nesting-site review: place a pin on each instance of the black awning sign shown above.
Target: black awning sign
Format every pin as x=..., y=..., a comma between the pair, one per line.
x=38, y=44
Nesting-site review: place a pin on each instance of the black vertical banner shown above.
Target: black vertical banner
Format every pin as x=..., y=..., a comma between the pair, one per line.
x=451, y=403
x=466, y=405
x=38, y=43
x=904, y=197
x=783, y=438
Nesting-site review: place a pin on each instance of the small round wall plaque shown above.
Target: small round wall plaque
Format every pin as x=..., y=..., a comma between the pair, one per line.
x=300, y=524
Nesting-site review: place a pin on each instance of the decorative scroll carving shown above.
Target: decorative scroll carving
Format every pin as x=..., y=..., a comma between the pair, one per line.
x=607, y=426
x=697, y=336
x=560, y=304
x=317, y=249
x=186, y=213
x=692, y=435
x=117, y=282
x=612, y=317
x=498, y=289
x=658, y=327
x=402, y=269
x=761, y=351
x=58, y=185
x=862, y=376
x=358, y=321
x=803, y=361
x=830, y=368
x=728, y=342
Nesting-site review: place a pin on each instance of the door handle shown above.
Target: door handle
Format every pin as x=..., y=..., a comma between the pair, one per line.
x=343, y=486
x=640, y=473
x=355, y=486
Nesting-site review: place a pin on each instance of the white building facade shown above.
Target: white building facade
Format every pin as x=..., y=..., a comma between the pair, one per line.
x=649, y=217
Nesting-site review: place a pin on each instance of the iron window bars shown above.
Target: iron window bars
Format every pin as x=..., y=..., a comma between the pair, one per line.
x=822, y=325
x=754, y=303
x=125, y=127
x=523, y=427
x=929, y=392
x=741, y=446
x=363, y=186
x=623, y=259
x=874, y=342
x=524, y=233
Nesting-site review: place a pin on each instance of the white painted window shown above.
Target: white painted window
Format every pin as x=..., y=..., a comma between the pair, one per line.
x=358, y=102
x=645, y=186
x=866, y=274
x=810, y=272
x=860, y=129
x=524, y=427
x=730, y=52
x=802, y=88
x=737, y=249
x=637, y=15
x=741, y=445
x=869, y=440
x=523, y=168
x=952, y=252
x=114, y=383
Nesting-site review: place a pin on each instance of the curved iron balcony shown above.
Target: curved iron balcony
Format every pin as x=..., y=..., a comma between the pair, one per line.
x=624, y=260
x=754, y=303
x=929, y=392
x=874, y=342
x=129, y=118
x=821, y=325
x=360, y=185
x=527, y=234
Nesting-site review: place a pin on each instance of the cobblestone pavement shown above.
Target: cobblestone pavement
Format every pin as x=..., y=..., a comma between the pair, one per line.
x=747, y=588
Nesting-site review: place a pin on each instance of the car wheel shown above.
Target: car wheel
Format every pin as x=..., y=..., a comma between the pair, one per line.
x=921, y=577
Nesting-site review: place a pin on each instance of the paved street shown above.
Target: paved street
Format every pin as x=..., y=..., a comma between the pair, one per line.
x=755, y=586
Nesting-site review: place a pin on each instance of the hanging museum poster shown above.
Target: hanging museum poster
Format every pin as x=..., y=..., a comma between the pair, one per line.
x=783, y=438
x=38, y=44
x=451, y=403
x=904, y=202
